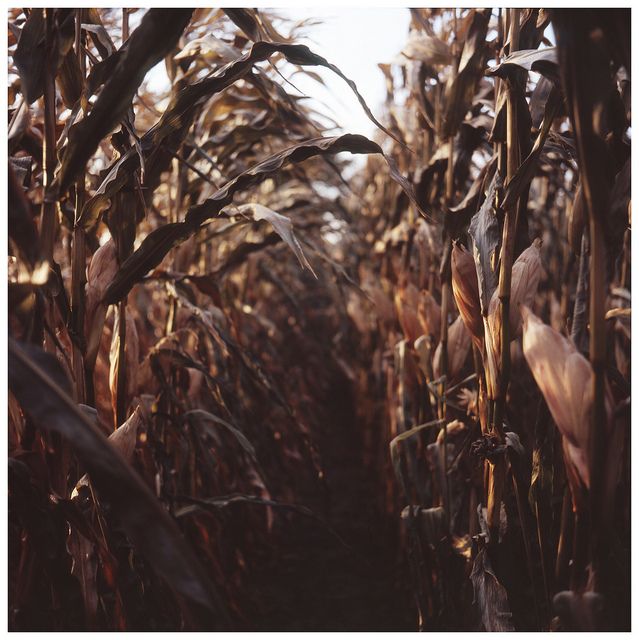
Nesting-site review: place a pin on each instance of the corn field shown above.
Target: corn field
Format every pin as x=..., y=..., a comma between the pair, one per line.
x=247, y=392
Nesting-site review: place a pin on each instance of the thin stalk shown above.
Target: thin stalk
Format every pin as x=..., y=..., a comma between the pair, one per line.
x=564, y=546
x=579, y=552
x=78, y=258
x=543, y=556
x=446, y=291
x=450, y=172
x=578, y=324
x=121, y=396
x=598, y=446
x=522, y=509
x=175, y=214
x=446, y=275
x=508, y=241
x=49, y=218
x=497, y=470
x=125, y=25
x=625, y=267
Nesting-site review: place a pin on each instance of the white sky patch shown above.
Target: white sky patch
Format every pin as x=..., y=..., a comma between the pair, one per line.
x=355, y=40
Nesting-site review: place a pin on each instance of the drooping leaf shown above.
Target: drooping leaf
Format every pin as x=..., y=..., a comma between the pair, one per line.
x=239, y=254
x=31, y=54
x=246, y=20
x=427, y=49
x=543, y=61
x=206, y=416
x=70, y=79
x=526, y=171
x=22, y=228
x=19, y=122
x=40, y=385
x=485, y=239
x=282, y=226
x=221, y=502
x=150, y=42
x=187, y=100
x=539, y=99
x=490, y=595
x=158, y=243
x=460, y=91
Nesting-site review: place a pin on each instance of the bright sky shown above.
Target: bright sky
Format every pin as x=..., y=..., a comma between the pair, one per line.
x=355, y=40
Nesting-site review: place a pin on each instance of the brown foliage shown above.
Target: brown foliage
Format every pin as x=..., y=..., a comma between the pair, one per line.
x=215, y=338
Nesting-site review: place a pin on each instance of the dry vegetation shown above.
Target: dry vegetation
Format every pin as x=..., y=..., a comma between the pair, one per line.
x=246, y=393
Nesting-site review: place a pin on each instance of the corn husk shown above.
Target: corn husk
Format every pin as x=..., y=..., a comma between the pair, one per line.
x=524, y=282
x=101, y=271
x=466, y=292
x=565, y=379
x=429, y=314
x=406, y=303
x=458, y=348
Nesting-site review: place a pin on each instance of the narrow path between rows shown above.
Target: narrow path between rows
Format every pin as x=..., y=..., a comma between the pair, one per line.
x=314, y=583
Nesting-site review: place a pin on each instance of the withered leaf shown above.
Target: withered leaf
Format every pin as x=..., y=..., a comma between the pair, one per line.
x=526, y=171
x=85, y=569
x=490, y=595
x=22, y=228
x=543, y=61
x=30, y=55
x=199, y=415
x=427, y=49
x=247, y=21
x=183, y=106
x=39, y=383
x=282, y=226
x=461, y=90
x=159, y=242
x=190, y=97
x=150, y=42
x=485, y=239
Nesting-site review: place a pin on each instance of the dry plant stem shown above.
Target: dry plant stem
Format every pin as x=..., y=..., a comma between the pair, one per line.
x=78, y=261
x=578, y=323
x=48, y=218
x=522, y=510
x=125, y=24
x=446, y=291
x=121, y=400
x=580, y=552
x=120, y=412
x=508, y=242
x=625, y=267
x=598, y=445
x=497, y=469
x=78, y=280
x=564, y=547
x=446, y=275
x=175, y=212
x=544, y=559
x=444, y=370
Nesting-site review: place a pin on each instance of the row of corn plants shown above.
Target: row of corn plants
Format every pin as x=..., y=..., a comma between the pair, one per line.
x=501, y=318
x=189, y=272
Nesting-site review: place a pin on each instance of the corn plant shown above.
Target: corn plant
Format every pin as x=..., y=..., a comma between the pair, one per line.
x=246, y=393
x=510, y=443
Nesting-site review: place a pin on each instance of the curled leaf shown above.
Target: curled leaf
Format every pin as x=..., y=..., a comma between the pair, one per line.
x=282, y=226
